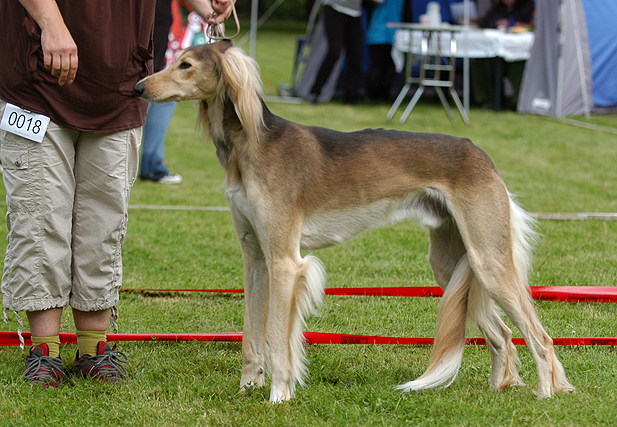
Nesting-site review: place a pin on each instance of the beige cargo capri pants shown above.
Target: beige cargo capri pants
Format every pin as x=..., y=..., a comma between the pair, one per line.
x=67, y=212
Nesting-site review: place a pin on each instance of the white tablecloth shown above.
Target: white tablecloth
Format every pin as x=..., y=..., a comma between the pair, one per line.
x=471, y=44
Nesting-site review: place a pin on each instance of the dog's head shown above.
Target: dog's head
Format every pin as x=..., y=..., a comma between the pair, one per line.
x=203, y=72
x=211, y=73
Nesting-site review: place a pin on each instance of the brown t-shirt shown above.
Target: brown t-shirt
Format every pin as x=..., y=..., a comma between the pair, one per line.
x=114, y=42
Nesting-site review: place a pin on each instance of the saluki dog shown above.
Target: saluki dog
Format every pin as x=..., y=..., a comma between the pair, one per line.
x=293, y=187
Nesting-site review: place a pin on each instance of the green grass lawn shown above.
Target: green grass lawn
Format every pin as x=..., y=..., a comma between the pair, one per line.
x=552, y=167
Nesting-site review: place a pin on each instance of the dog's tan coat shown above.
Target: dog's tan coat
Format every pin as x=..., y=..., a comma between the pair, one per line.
x=291, y=186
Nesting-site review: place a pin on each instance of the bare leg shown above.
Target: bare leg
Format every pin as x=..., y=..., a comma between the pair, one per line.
x=91, y=320
x=45, y=323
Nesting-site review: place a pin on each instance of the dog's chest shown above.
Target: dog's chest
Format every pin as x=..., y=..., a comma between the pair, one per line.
x=238, y=202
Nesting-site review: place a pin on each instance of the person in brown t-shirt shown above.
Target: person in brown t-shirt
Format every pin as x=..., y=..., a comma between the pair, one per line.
x=70, y=134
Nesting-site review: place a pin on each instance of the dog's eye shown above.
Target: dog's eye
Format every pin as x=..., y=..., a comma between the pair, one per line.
x=184, y=65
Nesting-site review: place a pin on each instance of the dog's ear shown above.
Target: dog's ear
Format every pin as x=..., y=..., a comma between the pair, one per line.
x=241, y=77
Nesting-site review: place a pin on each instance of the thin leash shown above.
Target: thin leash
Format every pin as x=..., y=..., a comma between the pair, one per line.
x=216, y=32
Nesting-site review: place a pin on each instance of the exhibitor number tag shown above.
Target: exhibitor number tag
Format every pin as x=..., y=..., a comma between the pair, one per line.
x=24, y=123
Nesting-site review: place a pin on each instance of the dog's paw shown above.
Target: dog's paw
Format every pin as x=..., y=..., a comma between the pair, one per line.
x=252, y=381
x=279, y=394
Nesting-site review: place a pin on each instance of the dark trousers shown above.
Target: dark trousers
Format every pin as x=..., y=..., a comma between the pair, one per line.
x=342, y=31
x=381, y=74
x=483, y=75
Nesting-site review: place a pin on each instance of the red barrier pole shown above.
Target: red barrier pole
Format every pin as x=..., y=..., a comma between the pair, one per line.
x=543, y=293
x=12, y=339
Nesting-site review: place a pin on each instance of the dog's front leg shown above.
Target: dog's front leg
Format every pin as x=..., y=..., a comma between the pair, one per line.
x=255, y=294
x=255, y=314
x=283, y=273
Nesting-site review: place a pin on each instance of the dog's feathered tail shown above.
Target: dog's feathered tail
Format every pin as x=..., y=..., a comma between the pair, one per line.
x=524, y=236
x=449, y=343
x=309, y=293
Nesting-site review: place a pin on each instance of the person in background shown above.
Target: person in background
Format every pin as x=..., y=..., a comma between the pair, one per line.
x=507, y=14
x=379, y=38
x=71, y=74
x=343, y=28
x=159, y=117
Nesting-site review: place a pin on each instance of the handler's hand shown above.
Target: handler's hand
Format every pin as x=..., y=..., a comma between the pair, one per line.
x=59, y=53
x=222, y=11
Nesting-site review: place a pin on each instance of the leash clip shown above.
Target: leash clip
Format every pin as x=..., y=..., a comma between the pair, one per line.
x=217, y=32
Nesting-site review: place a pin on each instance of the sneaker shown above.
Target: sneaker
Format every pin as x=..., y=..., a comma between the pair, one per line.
x=105, y=366
x=43, y=370
x=162, y=177
x=170, y=178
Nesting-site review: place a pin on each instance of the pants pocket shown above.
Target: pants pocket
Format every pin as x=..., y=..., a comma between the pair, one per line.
x=18, y=174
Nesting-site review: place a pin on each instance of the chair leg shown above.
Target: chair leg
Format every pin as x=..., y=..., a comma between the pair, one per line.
x=444, y=101
x=412, y=103
x=399, y=100
x=459, y=105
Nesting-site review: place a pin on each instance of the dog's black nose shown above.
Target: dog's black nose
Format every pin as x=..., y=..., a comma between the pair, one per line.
x=139, y=89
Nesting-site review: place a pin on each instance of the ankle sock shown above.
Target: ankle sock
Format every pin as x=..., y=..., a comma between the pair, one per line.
x=52, y=342
x=87, y=341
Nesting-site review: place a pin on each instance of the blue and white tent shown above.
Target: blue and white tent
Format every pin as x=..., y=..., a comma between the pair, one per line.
x=573, y=64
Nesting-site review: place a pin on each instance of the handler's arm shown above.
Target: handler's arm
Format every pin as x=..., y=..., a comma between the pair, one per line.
x=205, y=8
x=59, y=48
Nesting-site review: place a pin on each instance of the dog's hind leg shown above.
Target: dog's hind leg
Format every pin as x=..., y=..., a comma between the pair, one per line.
x=296, y=286
x=497, y=242
x=446, y=249
x=516, y=303
x=504, y=357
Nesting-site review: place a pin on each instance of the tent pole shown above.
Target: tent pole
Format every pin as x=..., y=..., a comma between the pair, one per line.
x=466, y=9
x=581, y=64
x=560, y=60
x=312, y=18
x=261, y=21
x=253, y=30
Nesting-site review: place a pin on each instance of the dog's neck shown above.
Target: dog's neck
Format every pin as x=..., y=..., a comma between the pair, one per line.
x=221, y=121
